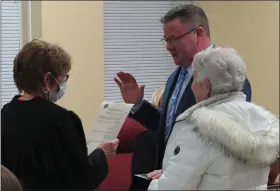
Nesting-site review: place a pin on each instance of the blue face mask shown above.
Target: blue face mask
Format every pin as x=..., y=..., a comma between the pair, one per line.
x=54, y=96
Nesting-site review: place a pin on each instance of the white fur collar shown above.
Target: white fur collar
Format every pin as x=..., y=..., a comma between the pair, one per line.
x=220, y=98
x=255, y=147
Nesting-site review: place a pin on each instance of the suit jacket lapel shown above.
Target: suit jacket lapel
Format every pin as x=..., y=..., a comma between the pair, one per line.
x=187, y=99
x=169, y=89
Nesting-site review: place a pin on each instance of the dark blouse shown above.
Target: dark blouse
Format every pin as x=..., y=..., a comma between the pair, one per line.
x=44, y=145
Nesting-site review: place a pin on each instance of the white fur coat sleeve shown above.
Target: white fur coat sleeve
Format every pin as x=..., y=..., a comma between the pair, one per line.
x=186, y=168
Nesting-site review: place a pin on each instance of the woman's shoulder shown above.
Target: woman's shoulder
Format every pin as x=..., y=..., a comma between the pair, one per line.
x=242, y=111
x=243, y=117
x=61, y=113
x=242, y=128
x=53, y=109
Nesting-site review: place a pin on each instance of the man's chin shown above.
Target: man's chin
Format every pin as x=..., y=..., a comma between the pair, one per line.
x=182, y=63
x=177, y=62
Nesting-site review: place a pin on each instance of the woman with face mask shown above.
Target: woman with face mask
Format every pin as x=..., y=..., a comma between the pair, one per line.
x=222, y=142
x=44, y=144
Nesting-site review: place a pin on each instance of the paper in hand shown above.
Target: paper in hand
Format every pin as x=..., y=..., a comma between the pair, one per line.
x=107, y=124
x=144, y=176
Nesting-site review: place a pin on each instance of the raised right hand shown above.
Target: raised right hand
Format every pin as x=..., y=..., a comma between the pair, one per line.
x=131, y=92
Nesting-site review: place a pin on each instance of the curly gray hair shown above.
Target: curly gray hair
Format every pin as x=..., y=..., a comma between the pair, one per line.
x=223, y=66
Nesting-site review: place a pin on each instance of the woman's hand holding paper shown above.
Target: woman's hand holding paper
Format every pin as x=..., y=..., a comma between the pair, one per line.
x=110, y=148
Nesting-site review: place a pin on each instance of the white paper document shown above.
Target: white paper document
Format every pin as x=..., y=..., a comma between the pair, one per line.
x=107, y=124
x=144, y=176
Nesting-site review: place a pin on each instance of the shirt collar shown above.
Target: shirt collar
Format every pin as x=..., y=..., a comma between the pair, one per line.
x=211, y=46
x=189, y=69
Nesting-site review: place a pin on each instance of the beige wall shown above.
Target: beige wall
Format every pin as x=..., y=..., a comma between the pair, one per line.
x=78, y=27
x=251, y=27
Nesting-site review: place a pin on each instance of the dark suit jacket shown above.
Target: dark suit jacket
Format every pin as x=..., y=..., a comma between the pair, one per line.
x=154, y=119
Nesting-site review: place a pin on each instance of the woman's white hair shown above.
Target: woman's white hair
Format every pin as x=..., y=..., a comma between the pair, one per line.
x=224, y=68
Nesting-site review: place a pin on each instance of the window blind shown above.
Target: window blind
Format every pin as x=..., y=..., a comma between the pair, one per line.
x=132, y=33
x=10, y=45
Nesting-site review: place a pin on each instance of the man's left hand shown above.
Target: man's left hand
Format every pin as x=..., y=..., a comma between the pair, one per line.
x=155, y=174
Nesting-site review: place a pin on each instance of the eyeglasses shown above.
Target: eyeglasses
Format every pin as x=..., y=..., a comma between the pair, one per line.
x=174, y=39
x=64, y=77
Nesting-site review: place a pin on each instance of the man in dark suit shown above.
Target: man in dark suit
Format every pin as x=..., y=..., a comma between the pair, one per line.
x=186, y=32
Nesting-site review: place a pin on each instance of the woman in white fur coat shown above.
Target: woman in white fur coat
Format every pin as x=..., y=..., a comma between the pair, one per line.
x=222, y=142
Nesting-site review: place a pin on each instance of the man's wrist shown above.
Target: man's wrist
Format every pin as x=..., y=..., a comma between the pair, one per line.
x=136, y=107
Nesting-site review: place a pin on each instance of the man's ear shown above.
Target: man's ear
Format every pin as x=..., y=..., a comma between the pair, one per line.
x=199, y=33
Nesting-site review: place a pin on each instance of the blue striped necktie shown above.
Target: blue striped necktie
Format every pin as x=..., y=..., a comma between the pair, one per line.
x=173, y=102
